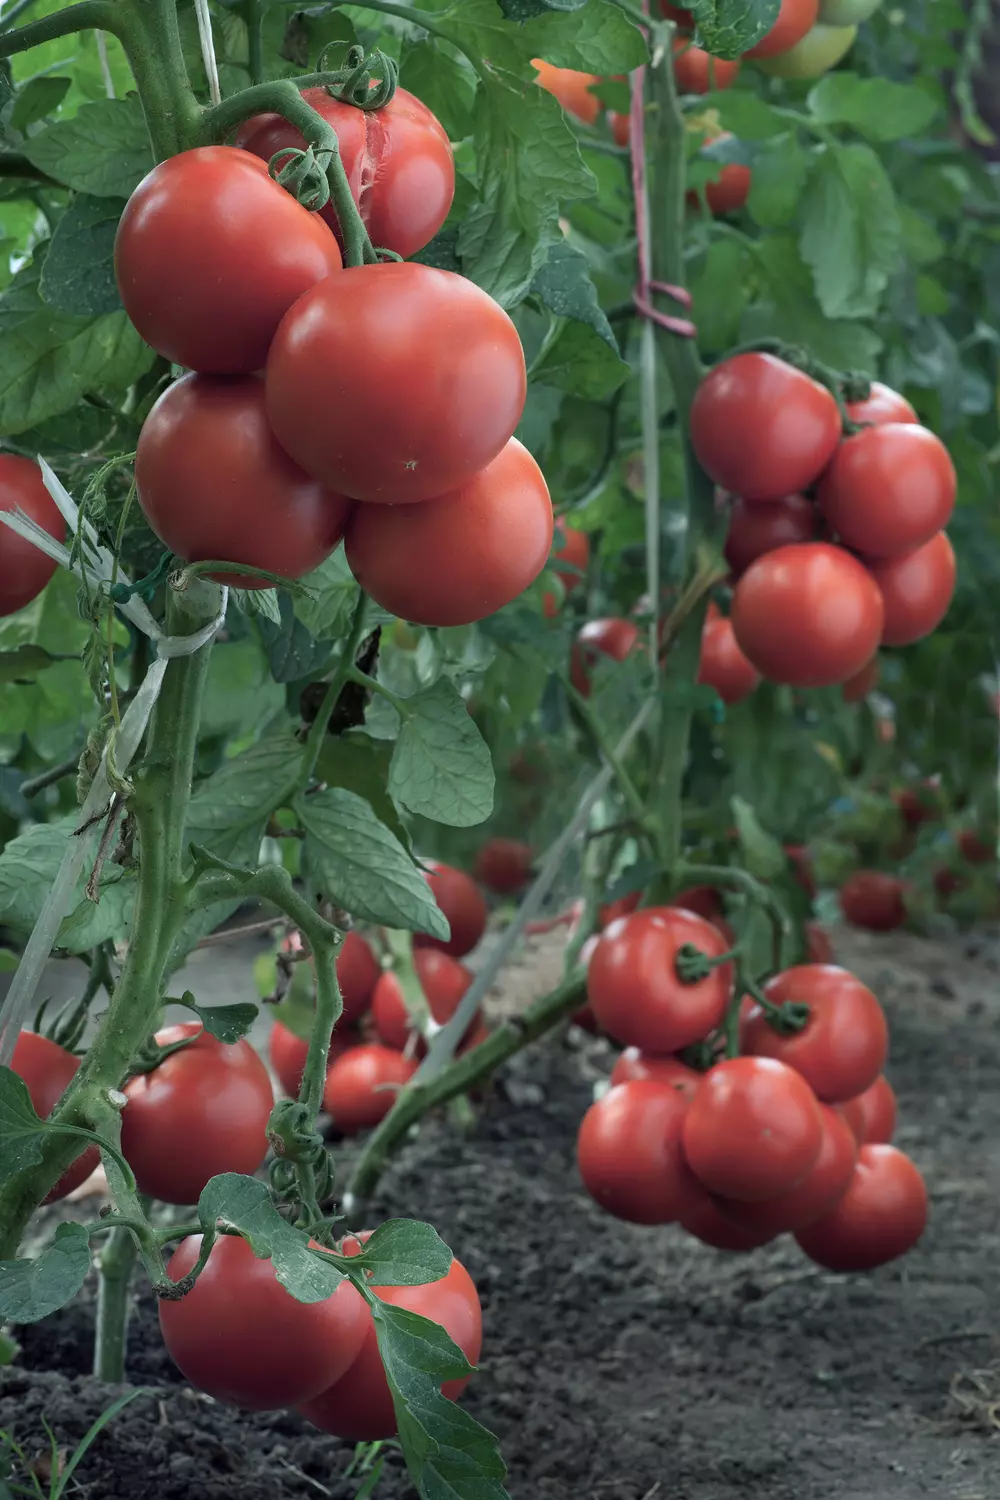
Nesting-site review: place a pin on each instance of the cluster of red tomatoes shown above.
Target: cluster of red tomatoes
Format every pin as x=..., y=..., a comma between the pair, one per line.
x=375, y=404
x=790, y=1136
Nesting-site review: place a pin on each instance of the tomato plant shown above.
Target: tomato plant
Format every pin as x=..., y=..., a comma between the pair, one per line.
x=359, y=1085
x=889, y=489
x=842, y=1048
x=464, y=908
x=872, y=899
x=760, y=527
x=46, y=1069
x=881, y=1216
x=629, y=1152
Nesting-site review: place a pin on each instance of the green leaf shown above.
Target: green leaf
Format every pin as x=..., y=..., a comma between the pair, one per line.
x=49, y=360
x=728, y=28
x=595, y=38
x=258, y=604
x=851, y=234
x=874, y=107
x=448, y=1454
x=329, y=598
x=227, y=1023
x=79, y=273
x=241, y=693
x=24, y=663
x=719, y=296
x=579, y=361
x=36, y=99
x=745, y=114
x=21, y=1130
x=446, y=85
x=780, y=173
x=404, y=1252
x=104, y=149
x=229, y=810
x=292, y=651
x=32, y=1289
x=563, y=285
x=357, y=863
x=359, y=763
x=28, y=866
x=790, y=311
x=525, y=10
x=763, y=856
x=245, y=1204
x=441, y=766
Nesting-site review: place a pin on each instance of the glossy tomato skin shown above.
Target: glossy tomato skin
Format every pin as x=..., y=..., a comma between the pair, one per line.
x=357, y=974
x=359, y=1406
x=459, y=558
x=916, y=590
x=612, y=637
x=504, y=865
x=24, y=569
x=443, y=980
x=288, y=1053
x=731, y=189
x=795, y=18
x=889, y=489
x=362, y=1085
x=843, y=1046
x=872, y=1115
x=629, y=1152
x=809, y=615
x=857, y=688
x=761, y=428
x=868, y=898
x=753, y=1130
x=211, y=253
x=423, y=410
x=203, y=1111
x=213, y=482
x=398, y=161
x=723, y=665
x=704, y=1220
x=634, y=989
x=575, y=550
x=634, y=1066
x=462, y=902
x=236, y=1308
x=882, y=405
x=818, y=51
x=571, y=88
x=764, y=525
x=881, y=1216
x=823, y=1186
x=47, y=1070
x=698, y=72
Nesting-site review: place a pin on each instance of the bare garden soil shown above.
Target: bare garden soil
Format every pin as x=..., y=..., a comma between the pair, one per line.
x=623, y=1363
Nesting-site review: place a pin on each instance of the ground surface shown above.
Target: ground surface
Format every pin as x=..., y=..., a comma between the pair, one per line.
x=632, y=1364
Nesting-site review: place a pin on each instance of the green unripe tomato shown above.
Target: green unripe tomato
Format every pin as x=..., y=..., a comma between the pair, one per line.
x=815, y=55
x=847, y=12
x=404, y=636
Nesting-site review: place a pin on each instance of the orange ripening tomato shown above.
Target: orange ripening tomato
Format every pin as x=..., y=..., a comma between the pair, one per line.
x=571, y=88
x=24, y=568
x=698, y=72
x=723, y=665
x=464, y=905
x=916, y=590
x=795, y=18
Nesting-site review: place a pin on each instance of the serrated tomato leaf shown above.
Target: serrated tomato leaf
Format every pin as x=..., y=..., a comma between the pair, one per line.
x=244, y=1204
x=32, y=1289
x=404, y=1252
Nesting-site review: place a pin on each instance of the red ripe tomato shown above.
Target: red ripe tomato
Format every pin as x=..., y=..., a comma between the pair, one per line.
x=880, y=1217
x=800, y=859
x=575, y=550
x=698, y=72
x=619, y=128
x=823, y=1186
x=947, y=882
x=818, y=945
x=762, y=429
x=704, y=1220
x=723, y=665
x=504, y=865
x=426, y=406
x=571, y=88
x=731, y=188
x=47, y=1070
x=916, y=590
x=702, y=899
x=214, y=1334
x=808, y=615
x=795, y=18
x=359, y=1406
x=629, y=1152
x=462, y=902
x=889, y=489
x=635, y=990
x=918, y=804
x=676, y=13
x=443, y=980
x=211, y=253
x=398, y=161
x=634, y=1066
x=872, y=1115
x=24, y=569
x=202, y=1111
x=288, y=1054
x=972, y=848
x=764, y=525
x=883, y=405
x=856, y=688
x=361, y=1086
x=753, y=1130
x=615, y=909
x=357, y=974
x=459, y=558
x=612, y=637
x=873, y=900
x=843, y=1046
x=214, y=483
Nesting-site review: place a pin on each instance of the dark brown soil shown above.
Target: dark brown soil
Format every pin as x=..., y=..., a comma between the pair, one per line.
x=632, y=1364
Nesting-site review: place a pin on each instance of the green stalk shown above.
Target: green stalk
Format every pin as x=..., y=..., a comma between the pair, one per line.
x=97, y=15
x=114, y=1266
x=149, y=33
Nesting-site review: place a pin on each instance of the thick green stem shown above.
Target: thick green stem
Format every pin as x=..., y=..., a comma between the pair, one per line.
x=255, y=39
x=114, y=1268
x=458, y=1078
x=150, y=35
x=317, y=731
x=607, y=751
x=97, y=15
